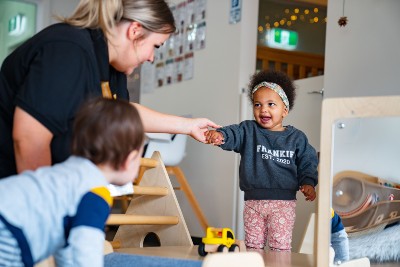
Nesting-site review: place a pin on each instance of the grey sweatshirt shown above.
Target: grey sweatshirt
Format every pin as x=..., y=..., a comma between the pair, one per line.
x=274, y=164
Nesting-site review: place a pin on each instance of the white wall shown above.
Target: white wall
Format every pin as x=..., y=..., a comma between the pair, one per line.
x=219, y=72
x=62, y=7
x=48, y=8
x=362, y=58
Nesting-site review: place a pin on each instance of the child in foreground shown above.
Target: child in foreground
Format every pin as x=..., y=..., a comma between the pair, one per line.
x=339, y=239
x=276, y=161
x=61, y=210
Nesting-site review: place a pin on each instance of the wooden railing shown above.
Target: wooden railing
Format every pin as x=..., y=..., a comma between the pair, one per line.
x=297, y=65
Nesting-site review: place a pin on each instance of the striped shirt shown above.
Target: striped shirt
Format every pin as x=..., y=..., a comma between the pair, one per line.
x=59, y=210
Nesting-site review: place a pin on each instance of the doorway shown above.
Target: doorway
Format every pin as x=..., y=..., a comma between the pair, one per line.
x=17, y=24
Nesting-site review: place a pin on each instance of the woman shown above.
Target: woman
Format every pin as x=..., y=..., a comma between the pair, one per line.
x=45, y=80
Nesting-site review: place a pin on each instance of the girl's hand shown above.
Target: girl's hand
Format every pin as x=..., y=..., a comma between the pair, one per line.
x=214, y=138
x=308, y=191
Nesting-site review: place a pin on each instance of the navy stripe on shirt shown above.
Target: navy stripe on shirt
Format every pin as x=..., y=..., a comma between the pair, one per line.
x=92, y=211
x=22, y=242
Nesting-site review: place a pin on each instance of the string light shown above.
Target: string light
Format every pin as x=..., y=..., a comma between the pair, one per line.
x=297, y=14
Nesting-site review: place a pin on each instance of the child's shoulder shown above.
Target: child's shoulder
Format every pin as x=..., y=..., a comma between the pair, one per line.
x=243, y=124
x=248, y=123
x=293, y=130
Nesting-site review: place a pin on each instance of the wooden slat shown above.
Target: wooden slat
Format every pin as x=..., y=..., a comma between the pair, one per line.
x=145, y=163
x=290, y=72
x=145, y=190
x=302, y=72
x=314, y=71
x=128, y=219
x=265, y=64
x=278, y=66
x=141, y=190
x=148, y=163
x=150, y=190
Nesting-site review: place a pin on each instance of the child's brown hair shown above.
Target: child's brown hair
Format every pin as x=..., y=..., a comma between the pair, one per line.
x=106, y=131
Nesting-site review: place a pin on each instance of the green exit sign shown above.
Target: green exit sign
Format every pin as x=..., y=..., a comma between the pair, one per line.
x=283, y=39
x=16, y=24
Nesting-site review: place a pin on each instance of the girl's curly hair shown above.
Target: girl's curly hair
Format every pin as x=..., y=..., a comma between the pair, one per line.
x=277, y=77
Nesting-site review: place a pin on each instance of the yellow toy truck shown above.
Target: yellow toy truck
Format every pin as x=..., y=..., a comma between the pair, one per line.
x=218, y=239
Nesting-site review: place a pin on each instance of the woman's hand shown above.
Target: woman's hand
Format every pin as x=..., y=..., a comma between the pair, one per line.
x=198, y=128
x=157, y=122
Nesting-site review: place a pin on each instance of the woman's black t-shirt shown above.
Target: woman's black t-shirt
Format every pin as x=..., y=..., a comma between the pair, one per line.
x=49, y=77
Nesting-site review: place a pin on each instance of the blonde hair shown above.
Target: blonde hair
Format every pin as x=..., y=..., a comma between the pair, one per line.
x=153, y=15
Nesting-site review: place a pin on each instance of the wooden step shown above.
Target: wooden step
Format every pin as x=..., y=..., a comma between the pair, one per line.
x=148, y=162
x=150, y=190
x=129, y=219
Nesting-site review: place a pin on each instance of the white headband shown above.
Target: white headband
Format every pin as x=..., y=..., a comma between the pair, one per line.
x=275, y=87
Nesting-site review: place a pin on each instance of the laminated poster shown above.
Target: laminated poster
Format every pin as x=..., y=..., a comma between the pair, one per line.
x=188, y=66
x=148, y=77
x=178, y=69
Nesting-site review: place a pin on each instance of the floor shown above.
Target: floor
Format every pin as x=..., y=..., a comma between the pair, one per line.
x=271, y=259
x=396, y=264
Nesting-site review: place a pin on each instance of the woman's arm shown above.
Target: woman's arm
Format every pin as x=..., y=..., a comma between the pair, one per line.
x=31, y=142
x=157, y=122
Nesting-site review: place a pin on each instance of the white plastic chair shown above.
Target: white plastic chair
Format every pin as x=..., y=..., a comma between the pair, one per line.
x=172, y=147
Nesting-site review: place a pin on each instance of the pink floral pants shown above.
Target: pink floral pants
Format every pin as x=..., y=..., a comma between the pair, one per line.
x=269, y=220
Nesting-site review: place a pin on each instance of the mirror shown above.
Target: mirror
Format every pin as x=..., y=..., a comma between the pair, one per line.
x=369, y=145
x=366, y=172
x=359, y=172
